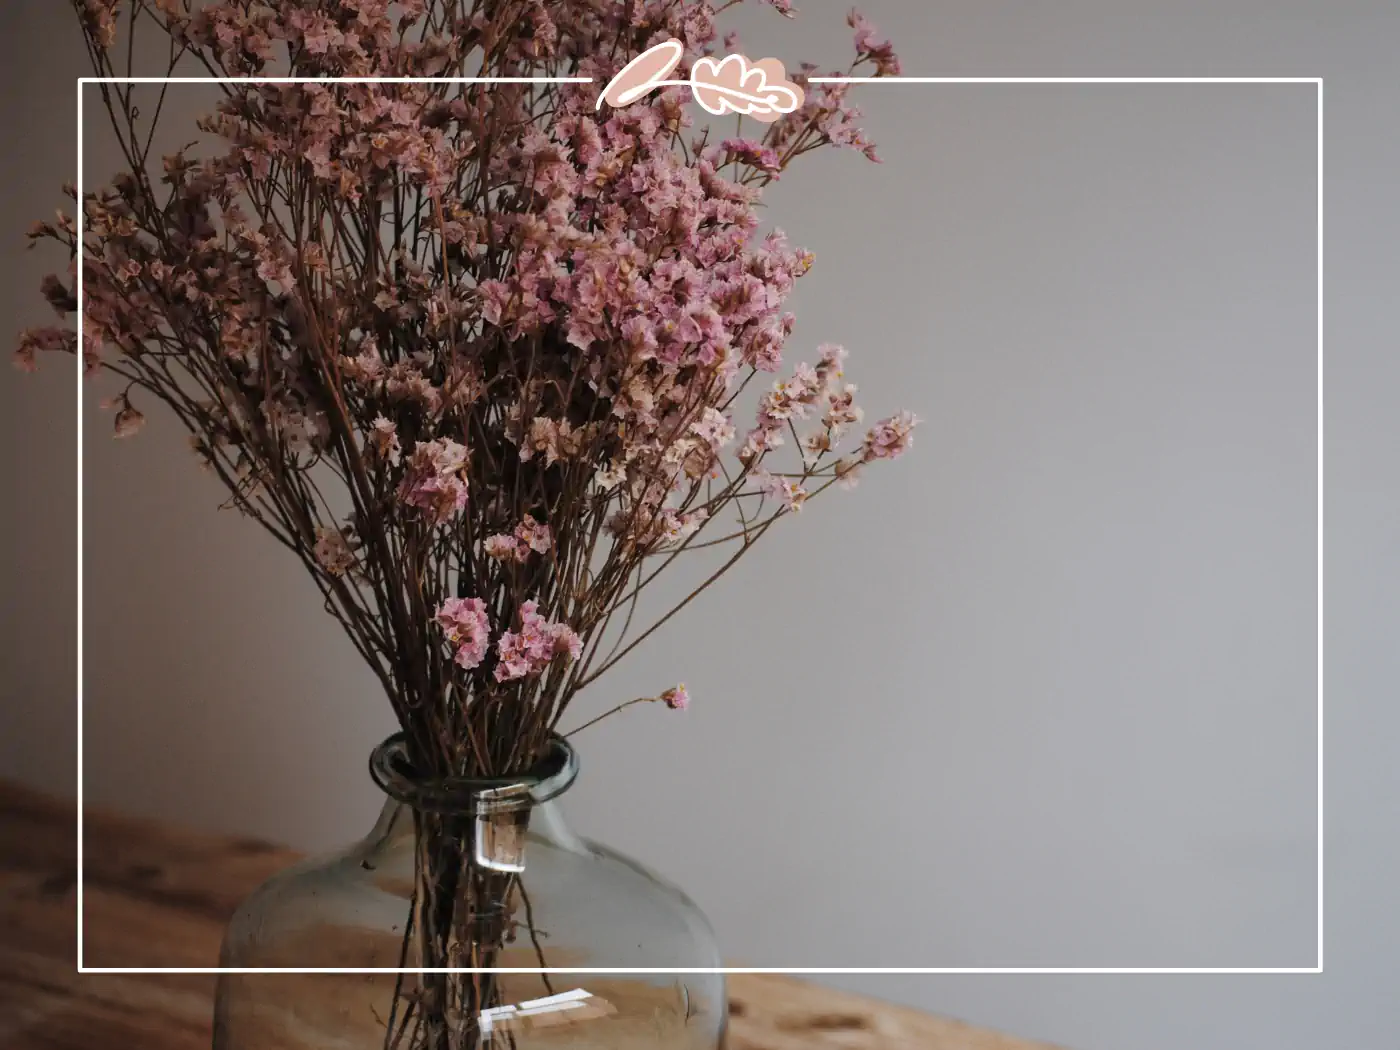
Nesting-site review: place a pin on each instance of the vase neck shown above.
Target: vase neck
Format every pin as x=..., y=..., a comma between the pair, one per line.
x=488, y=817
x=551, y=776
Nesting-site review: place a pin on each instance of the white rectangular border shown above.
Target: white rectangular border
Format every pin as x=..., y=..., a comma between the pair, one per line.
x=79, y=219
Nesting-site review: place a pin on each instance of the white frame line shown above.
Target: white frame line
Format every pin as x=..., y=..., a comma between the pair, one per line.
x=79, y=219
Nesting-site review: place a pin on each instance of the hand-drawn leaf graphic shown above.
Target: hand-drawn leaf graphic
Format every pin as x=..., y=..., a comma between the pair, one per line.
x=734, y=85
x=644, y=73
x=777, y=79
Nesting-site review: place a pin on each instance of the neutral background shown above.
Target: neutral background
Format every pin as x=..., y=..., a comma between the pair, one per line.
x=1041, y=694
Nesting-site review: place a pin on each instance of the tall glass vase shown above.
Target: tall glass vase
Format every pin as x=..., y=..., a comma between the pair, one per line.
x=468, y=880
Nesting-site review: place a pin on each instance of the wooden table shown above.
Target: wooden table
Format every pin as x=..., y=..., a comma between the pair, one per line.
x=157, y=896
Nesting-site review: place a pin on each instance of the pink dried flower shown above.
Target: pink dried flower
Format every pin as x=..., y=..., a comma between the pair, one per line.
x=100, y=17
x=408, y=384
x=676, y=698
x=332, y=551
x=532, y=535
x=762, y=439
x=385, y=440
x=755, y=154
x=566, y=642
x=792, y=398
x=465, y=623
x=713, y=427
x=610, y=476
x=841, y=409
x=128, y=420
x=676, y=528
x=789, y=493
x=815, y=445
x=531, y=649
x=890, y=438
x=366, y=367
x=502, y=547
x=869, y=48
x=514, y=657
x=33, y=341
x=435, y=481
x=847, y=472
x=831, y=361
x=555, y=438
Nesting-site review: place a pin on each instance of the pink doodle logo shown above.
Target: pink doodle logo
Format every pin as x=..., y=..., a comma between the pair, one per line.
x=732, y=84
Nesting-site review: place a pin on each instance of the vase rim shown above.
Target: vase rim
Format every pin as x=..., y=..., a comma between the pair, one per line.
x=551, y=777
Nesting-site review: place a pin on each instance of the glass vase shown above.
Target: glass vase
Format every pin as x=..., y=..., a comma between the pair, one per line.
x=467, y=879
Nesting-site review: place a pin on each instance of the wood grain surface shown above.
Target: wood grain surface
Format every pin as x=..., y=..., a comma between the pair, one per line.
x=158, y=896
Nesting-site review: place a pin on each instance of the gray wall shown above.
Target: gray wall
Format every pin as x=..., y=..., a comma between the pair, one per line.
x=1042, y=693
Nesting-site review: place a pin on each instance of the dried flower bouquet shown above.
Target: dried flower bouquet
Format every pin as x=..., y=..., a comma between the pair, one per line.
x=473, y=353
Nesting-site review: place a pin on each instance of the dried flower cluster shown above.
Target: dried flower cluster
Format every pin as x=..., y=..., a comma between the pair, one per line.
x=474, y=354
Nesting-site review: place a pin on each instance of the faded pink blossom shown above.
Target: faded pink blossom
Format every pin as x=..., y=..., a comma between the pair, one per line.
x=502, y=546
x=384, y=439
x=610, y=476
x=464, y=622
x=760, y=440
x=42, y=340
x=676, y=528
x=791, y=398
x=535, y=645
x=890, y=438
x=530, y=536
x=566, y=642
x=435, y=481
x=831, y=360
x=127, y=421
x=815, y=445
x=367, y=367
x=748, y=151
x=533, y=535
x=555, y=438
x=101, y=17
x=495, y=300
x=332, y=551
x=676, y=698
x=848, y=471
x=869, y=48
x=408, y=384
x=841, y=409
x=789, y=493
x=713, y=427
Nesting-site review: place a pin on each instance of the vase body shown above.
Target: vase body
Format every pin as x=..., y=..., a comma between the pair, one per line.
x=519, y=890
